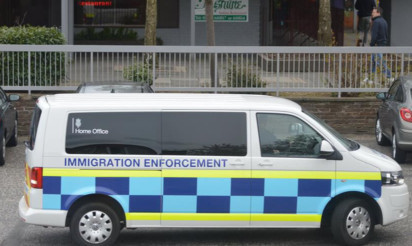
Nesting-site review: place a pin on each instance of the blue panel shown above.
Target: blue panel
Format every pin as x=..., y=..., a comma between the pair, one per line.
x=240, y=204
x=281, y=187
x=145, y=204
x=213, y=186
x=146, y=186
x=258, y=187
x=311, y=205
x=67, y=201
x=179, y=204
x=78, y=185
x=240, y=187
x=213, y=204
x=314, y=187
x=280, y=205
x=257, y=204
x=51, y=202
x=180, y=186
x=51, y=185
x=347, y=185
x=373, y=188
x=123, y=200
x=112, y=186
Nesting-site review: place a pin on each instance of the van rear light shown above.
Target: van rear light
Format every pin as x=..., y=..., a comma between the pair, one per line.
x=406, y=114
x=36, y=177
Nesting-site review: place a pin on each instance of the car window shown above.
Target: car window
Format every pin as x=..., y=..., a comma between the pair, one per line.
x=399, y=95
x=392, y=91
x=283, y=135
x=3, y=98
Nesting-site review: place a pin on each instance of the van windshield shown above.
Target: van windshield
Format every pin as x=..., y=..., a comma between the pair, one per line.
x=349, y=144
x=34, y=126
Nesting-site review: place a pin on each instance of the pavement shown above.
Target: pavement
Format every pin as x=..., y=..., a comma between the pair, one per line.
x=15, y=232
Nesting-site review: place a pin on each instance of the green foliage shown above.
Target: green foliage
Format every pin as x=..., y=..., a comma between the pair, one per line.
x=244, y=76
x=107, y=33
x=47, y=68
x=139, y=72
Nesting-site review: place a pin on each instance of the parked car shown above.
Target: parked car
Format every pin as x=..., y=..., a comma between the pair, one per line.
x=394, y=118
x=8, y=123
x=112, y=87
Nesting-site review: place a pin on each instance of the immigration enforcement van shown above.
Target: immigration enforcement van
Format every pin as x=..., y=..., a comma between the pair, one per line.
x=100, y=163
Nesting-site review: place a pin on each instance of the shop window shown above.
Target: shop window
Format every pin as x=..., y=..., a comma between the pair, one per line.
x=123, y=13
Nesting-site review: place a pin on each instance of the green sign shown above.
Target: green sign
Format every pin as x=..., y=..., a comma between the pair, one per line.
x=224, y=10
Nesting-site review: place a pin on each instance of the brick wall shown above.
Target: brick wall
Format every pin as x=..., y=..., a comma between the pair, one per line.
x=347, y=115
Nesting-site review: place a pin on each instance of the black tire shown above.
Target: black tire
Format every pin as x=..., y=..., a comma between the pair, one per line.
x=353, y=222
x=380, y=138
x=14, y=138
x=102, y=225
x=2, y=150
x=397, y=154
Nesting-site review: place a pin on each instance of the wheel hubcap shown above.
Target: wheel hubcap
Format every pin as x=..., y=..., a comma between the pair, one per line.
x=378, y=131
x=95, y=227
x=394, y=146
x=4, y=148
x=358, y=223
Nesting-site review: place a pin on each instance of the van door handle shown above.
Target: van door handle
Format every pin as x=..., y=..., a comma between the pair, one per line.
x=237, y=164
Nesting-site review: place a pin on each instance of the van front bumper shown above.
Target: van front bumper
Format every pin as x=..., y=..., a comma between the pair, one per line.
x=42, y=217
x=394, y=203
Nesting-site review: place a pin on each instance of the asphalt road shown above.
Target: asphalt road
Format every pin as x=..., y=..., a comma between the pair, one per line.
x=15, y=232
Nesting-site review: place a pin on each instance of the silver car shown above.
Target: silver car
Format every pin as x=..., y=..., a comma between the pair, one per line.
x=394, y=118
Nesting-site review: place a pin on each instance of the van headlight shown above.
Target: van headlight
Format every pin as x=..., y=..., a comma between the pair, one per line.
x=392, y=178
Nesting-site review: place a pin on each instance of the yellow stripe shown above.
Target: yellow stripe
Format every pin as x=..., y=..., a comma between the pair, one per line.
x=178, y=173
x=224, y=217
x=287, y=217
x=359, y=175
x=294, y=174
x=200, y=173
x=99, y=173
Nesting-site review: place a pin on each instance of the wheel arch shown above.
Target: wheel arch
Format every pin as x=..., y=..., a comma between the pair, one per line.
x=113, y=203
x=330, y=207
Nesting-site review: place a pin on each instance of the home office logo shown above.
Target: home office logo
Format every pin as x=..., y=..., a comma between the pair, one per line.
x=77, y=123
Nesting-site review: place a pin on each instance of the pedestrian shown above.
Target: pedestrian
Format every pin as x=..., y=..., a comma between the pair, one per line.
x=364, y=8
x=379, y=38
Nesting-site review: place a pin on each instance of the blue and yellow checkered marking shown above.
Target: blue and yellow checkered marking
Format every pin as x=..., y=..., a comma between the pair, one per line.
x=221, y=195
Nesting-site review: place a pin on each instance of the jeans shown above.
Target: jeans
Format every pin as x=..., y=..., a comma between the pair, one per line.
x=363, y=26
x=377, y=60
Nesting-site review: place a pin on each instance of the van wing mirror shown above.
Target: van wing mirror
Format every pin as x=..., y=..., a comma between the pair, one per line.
x=327, y=151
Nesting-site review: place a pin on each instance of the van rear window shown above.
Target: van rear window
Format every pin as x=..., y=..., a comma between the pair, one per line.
x=34, y=126
x=155, y=133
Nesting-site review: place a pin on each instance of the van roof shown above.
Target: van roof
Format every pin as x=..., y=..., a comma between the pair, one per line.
x=170, y=101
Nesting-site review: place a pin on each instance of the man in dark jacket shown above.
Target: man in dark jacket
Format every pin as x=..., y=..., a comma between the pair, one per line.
x=364, y=8
x=379, y=38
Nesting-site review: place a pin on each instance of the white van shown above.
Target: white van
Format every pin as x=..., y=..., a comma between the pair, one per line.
x=99, y=163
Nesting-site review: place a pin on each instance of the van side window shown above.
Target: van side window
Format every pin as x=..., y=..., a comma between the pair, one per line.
x=125, y=133
x=204, y=133
x=283, y=135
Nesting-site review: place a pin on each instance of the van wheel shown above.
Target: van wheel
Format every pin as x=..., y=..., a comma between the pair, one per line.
x=95, y=224
x=2, y=150
x=353, y=222
x=397, y=154
x=380, y=138
x=13, y=140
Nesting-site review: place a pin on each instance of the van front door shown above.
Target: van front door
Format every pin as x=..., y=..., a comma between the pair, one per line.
x=292, y=183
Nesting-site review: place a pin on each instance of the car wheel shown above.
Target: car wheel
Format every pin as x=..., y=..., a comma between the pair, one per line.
x=353, y=222
x=380, y=138
x=397, y=154
x=3, y=150
x=95, y=224
x=13, y=140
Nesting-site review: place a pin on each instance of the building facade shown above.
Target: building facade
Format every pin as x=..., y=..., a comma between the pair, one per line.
x=181, y=22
